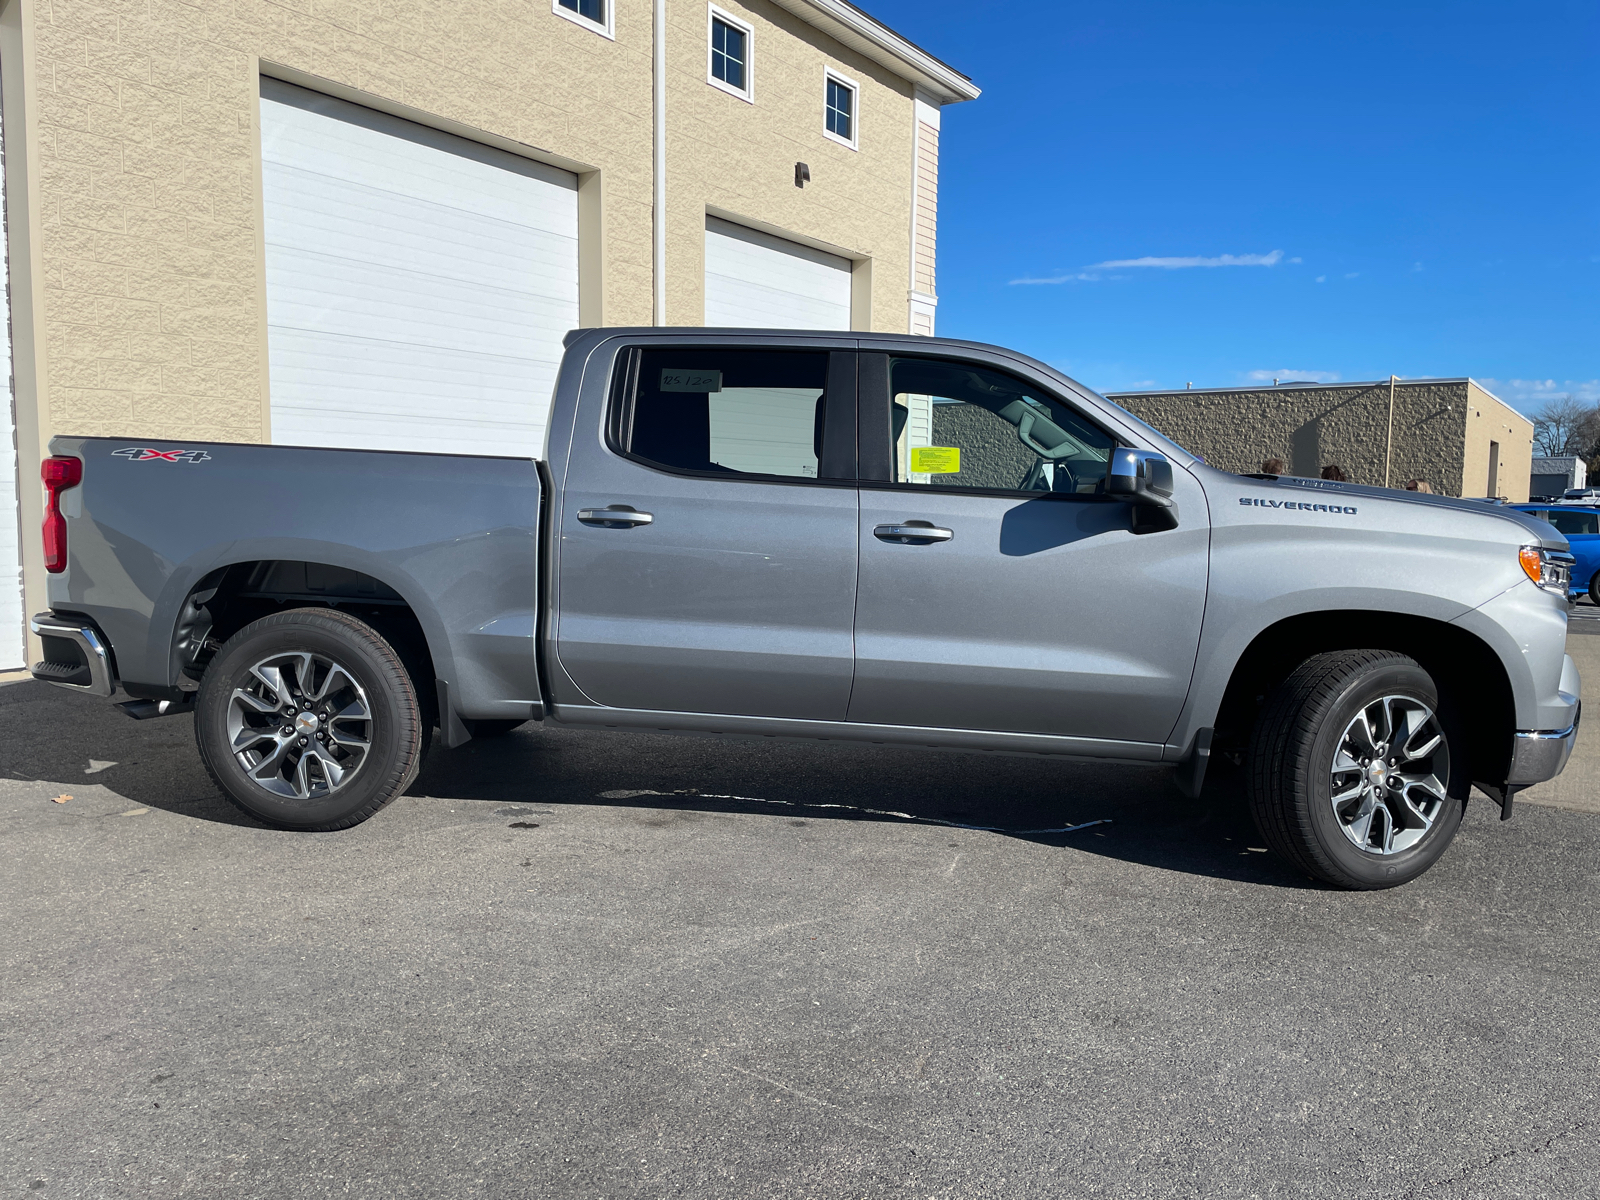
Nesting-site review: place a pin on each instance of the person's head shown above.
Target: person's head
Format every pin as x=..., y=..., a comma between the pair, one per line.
x=1420, y=485
x=1413, y=484
x=1274, y=466
x=1334, y=472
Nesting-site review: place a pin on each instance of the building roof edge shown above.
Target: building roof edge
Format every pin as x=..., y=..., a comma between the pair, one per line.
x=1298, y=387
x=866, y=35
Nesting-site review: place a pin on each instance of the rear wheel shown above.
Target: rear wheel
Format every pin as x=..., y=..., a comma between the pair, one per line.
x=307, y=719
x=1594, y=589
x=1354, y=776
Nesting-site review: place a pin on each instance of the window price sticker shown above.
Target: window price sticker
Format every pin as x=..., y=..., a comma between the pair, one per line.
x=935, y=460
x=674, y=380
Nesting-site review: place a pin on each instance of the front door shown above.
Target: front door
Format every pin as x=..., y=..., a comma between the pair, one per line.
x=707, y=555
x=1000, y=588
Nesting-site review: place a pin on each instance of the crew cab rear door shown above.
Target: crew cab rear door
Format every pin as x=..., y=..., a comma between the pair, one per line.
x=1000, y=588
x=707, y=532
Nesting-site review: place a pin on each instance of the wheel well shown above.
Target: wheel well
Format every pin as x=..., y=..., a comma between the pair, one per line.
x=1471, y=679
x=229, y=598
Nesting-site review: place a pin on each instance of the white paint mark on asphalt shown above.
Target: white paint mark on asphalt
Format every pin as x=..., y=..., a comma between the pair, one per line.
x=951, y=870
x=96, y=766
x=692, y=794
x=134, y=812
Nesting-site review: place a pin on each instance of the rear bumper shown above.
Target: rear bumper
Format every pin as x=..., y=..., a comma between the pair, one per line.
x=76, y=656
x=1541, y=754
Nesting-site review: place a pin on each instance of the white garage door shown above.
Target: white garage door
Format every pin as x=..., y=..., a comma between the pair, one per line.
x=418, y=284
x=755, y=279
x=12, y=649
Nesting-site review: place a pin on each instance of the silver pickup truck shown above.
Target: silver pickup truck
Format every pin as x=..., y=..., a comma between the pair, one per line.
x=822, y=536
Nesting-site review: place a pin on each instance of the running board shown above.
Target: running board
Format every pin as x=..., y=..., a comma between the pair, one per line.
x=148, y=710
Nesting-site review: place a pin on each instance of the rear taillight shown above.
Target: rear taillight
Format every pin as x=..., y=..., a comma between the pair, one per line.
x=59, y=473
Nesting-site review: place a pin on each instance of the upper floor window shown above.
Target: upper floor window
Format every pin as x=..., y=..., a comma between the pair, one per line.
x=594, y=14
x=730, y=54
x=839, y=115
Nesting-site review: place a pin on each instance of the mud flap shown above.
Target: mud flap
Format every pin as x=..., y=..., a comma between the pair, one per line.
x=451, y=729
x=1190, y=774
x=1503, y=795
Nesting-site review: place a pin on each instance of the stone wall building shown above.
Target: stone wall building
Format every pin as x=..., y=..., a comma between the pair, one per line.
x=360, y=223
x=1459, y=437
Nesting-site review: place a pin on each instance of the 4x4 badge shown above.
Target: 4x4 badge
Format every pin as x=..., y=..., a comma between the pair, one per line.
x=141, y=454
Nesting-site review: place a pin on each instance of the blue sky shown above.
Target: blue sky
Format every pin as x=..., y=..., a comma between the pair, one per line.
x=1399, y=188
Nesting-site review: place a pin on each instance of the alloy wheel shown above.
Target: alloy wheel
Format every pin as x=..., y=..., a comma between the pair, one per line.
x=299, y=725
x=1391, y=775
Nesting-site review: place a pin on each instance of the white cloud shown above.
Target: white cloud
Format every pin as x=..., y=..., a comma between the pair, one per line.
x=1529, y=393
x=1288, y=375
x=1174, y=264
x=1351, y=274
x=1090, y=274
x=1322, y=279
x=1295, y=260
x=1070, y=277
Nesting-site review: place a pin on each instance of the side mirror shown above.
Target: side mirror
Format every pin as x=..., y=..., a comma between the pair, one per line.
x=1144, y=478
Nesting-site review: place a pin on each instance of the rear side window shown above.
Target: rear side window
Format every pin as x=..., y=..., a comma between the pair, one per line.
x=1573, y=522
x=728, y=412
x=956, y=425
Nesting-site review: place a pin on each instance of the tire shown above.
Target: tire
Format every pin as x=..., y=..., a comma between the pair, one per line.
x=491, y=728
x=1312, y=725
x=1594, y=589
x=356, y=728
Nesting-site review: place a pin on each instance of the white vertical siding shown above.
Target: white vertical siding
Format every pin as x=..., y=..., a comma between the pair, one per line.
x=13, y=648
x=418, y=284
x=757, y=280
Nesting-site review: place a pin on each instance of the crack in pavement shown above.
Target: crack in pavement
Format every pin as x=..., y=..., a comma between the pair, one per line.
x=1495, y=1160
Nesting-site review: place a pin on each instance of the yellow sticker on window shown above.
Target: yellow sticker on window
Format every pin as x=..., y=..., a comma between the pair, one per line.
x=935, y=460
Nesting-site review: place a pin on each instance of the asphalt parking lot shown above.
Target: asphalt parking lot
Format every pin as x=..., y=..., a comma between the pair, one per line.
x=596, y=965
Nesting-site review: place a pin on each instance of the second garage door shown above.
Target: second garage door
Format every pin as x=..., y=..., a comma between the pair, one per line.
x=755, y=279
x=418, y=284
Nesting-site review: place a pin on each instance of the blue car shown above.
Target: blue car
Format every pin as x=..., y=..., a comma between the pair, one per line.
x=1582, y=529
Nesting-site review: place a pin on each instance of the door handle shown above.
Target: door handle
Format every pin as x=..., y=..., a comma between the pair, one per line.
x=614, y=516
x=912, y=533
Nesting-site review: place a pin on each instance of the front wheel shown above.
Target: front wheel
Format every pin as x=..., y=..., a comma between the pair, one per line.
x=1594, y=589
x=1354, y=775
x=307, y=719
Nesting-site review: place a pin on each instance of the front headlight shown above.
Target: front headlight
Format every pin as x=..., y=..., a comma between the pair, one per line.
x=1549, y=569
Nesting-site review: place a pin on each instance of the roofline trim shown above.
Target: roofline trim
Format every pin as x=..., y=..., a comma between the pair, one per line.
x=849, y=25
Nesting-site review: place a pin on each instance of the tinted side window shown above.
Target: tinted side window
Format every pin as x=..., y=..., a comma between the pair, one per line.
x=735, y=412
x=962, y=426
x=1573, y=522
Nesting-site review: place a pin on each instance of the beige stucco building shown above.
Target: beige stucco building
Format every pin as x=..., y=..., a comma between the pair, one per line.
x=369, y=223
x=1453, y=433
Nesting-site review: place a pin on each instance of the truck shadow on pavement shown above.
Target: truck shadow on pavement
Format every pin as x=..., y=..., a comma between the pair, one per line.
x=74, y=743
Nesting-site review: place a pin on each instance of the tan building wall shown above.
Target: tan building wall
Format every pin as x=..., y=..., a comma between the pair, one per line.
x=735, y=159
x=1492, y=420
x=134, y=177
x=1436, y=435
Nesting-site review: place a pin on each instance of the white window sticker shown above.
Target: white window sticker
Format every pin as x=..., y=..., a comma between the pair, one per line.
x=691, y=381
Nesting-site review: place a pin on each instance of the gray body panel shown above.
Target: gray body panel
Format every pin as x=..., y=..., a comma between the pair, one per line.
x=737, y=598
x=1039, y=616
x=456, y=537
x=1452, y=561
x=759, y=608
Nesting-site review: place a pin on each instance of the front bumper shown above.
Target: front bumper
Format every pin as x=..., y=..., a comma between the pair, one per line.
x=1541, y=754
x=76, y=656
